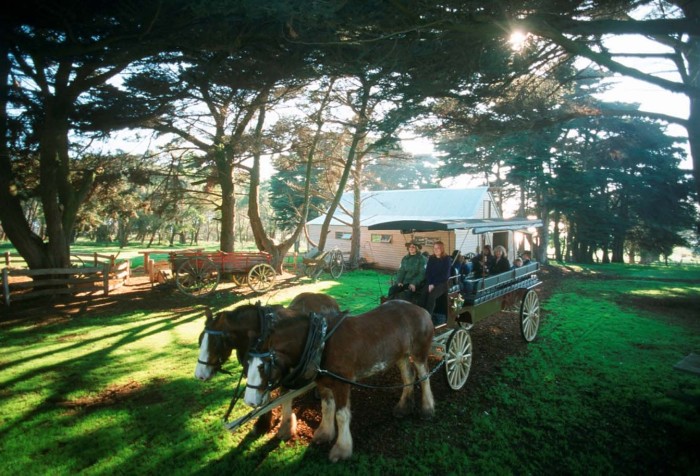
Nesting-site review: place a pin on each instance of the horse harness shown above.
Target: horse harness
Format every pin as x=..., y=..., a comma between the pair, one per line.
x=267, y=318
x=309, y=362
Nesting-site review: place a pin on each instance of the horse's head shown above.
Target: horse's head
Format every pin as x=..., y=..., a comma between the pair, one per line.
x=289, y=357
x=238, y=329
x=216, y=343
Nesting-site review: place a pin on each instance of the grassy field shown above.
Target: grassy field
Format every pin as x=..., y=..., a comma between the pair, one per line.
x=111, y=391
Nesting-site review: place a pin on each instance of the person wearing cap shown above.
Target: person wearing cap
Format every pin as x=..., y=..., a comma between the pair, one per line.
x=411, y=274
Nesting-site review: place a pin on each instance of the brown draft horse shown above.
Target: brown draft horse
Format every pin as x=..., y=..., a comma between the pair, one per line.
x=397, y=332
x=239, y=329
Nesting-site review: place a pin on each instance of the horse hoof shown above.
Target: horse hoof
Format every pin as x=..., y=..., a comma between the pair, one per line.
x=427, y=414
x=401, y=412
x=338, y=453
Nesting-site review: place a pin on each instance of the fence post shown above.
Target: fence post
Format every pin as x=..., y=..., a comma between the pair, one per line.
x=7, y=259
x=6, y=285
x=105, y=277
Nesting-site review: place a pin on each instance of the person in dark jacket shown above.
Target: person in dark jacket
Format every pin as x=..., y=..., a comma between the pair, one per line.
x=483, y=262
x=411, y=274
x=526, y=258
x=437, y=273
x=500, y=263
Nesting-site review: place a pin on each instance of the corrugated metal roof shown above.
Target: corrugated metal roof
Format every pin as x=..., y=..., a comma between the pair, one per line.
x=423, y=204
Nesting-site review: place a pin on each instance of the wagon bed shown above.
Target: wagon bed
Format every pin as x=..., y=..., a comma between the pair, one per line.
x=198, y=273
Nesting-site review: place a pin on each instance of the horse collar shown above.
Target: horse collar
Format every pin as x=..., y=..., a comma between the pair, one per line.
x=310, y=360
x=268, y=320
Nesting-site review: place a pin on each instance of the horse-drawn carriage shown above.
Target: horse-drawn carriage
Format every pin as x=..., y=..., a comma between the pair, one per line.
x=198, y=273
x=339, y=351
x=469, y=300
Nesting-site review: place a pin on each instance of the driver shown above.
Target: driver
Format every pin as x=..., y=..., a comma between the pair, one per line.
x=411, y=274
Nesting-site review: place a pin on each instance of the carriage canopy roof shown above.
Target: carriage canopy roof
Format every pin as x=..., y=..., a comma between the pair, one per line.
x=477, y=225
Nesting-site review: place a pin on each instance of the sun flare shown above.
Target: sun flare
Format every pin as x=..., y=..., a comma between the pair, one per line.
x=517, y=40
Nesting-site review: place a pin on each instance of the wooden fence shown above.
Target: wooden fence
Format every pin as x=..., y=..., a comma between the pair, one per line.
x=101, y=277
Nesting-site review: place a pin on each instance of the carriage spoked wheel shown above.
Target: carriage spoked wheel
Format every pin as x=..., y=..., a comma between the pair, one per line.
x=197, y=277
x=337, y=263
x=261, y=277
x=530, y=315
x=458, y=358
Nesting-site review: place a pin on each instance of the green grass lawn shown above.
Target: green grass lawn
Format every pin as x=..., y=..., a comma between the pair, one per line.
x=111, y=392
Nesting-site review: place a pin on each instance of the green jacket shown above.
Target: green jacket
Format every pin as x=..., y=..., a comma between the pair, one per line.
x=412, y=269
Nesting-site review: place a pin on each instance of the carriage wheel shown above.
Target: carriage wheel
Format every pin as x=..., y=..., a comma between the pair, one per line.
x=309, y=270
x=458, y=358
x=530, y=315
x=337, y=263
x=261, y=277
x=197, y=277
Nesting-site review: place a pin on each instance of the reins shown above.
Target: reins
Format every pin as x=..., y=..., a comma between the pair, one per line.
x=328, y=373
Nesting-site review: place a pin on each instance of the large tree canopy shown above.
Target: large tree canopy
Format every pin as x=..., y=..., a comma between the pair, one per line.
x=217, y=74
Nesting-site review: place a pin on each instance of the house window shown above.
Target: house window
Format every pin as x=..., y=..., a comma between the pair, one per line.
x=381, y=238
x=343, y=235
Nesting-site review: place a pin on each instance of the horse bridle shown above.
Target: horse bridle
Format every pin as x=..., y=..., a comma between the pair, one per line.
x=268, y=319
x=310, y=357
x=223, y=336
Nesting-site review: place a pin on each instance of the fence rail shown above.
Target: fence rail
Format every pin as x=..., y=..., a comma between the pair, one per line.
x=22, y=284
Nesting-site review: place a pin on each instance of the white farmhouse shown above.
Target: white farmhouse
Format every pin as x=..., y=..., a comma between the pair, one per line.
x=463, y=219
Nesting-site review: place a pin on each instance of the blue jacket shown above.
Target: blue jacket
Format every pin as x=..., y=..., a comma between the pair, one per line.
x=438, y=270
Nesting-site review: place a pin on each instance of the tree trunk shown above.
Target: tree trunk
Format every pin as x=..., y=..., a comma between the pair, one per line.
x=356, y=208
x=228, y=203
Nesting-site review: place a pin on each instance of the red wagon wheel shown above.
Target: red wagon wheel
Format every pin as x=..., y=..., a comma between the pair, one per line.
x=261, y=277
x=197, y=276
x=530, y=315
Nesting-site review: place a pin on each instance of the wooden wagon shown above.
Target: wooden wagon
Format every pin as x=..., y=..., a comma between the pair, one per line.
x=197, y=273
x=316, y=263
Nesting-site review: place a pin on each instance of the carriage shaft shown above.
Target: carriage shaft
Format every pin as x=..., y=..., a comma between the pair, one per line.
x=290, y=395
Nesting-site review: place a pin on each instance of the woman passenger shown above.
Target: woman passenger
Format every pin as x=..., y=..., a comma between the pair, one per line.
x=501, y=263
x=437, y=273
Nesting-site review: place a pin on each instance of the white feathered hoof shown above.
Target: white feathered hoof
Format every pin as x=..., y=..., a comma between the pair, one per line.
x=339, y=453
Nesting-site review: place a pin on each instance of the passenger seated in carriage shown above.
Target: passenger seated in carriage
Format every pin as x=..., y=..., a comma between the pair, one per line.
x=437, y=275
x=483, y=262
x=461, y=269
x=411, y=275
x=500, y=263
x=525, y=255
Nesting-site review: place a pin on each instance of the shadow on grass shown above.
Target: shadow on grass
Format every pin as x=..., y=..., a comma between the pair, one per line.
x=75, y=371
x=136, y=429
